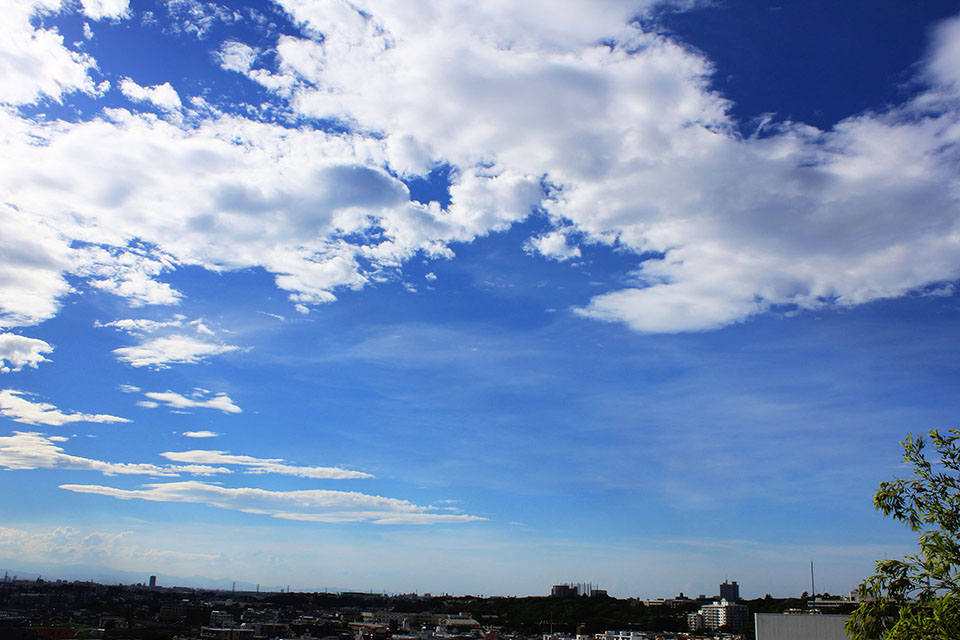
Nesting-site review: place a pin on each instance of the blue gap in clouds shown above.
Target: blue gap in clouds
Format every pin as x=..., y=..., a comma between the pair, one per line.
x=813, y=61
x=151, y=53
x=494, y=280
x=435, y=186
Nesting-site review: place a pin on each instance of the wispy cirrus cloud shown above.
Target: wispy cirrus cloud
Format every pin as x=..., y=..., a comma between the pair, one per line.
x=142, y=325
x=160, y=353
x=31, y=450
x=263, y=465
x=171, y=345
x=199, y=399
x=18, y=351
x=15, y=406
x=200, y=434
x=314, y=505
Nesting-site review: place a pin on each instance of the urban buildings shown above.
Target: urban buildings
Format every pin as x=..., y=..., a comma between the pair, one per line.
x=717, y=615
x=569, y=590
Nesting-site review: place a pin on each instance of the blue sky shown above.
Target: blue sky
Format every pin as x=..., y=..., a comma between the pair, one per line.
x=472, y=297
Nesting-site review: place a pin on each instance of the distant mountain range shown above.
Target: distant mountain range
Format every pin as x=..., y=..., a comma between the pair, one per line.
x=107, y=575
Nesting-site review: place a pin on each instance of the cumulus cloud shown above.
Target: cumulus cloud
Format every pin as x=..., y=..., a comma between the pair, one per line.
x=15, y=406
x=237, y=56
x=199, y=399
x=17, y=352
x=610, y=131
x=313, y=208
x=314, y=505
x=129, y=272
x=553, y=245
x=28, y=450
x=263, y=465
x=162, y=96
x=644, y=155
x=160, y=353
x=200, y=434
x=67, y=544
x=33, y=258
x=100, y=9
x=59, y=544
x=35, y=63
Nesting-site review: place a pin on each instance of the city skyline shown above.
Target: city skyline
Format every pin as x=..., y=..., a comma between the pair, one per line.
x=473, y=298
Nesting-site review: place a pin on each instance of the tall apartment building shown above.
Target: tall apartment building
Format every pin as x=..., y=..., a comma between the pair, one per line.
x=729, y=592
x=721, y=614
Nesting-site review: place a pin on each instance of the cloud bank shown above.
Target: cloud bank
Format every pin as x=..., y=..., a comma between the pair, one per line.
x=610, y=131
x=314, y=505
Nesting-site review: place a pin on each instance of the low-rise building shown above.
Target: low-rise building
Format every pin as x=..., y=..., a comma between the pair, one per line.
x=800, y=626
x=621, y=635
x=218, y=633
x=222, y=619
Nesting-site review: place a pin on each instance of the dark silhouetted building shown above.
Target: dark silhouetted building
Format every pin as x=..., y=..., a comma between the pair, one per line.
x=729, y=592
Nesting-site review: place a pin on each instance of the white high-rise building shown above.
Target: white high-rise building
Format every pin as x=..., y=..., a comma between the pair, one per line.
x=724, y=614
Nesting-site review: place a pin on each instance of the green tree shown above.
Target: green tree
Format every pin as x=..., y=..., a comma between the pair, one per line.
x=918, y=597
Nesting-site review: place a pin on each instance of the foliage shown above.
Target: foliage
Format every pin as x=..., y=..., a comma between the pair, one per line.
x=918, y=597
x=536, y=615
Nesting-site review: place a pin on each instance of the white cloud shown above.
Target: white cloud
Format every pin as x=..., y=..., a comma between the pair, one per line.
x=199, y=399
x=431, y=277
x=130, y=273
x=14, y=406
x=17, y=352
x=27, y=450
x=70, y=545
x=647, y=157
x=60, y=543
x=34, y=63
x=237, y=56
x=200, y=434
x=621, y=143
x=139, y=325
x=162, y=96
x=32, y=258
x=176, y=349
x=315, y=505
x=263, y=465
x=100, y=9
x=197, y=18
x=553, y=245
x=129, y=388
x=145, y=325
